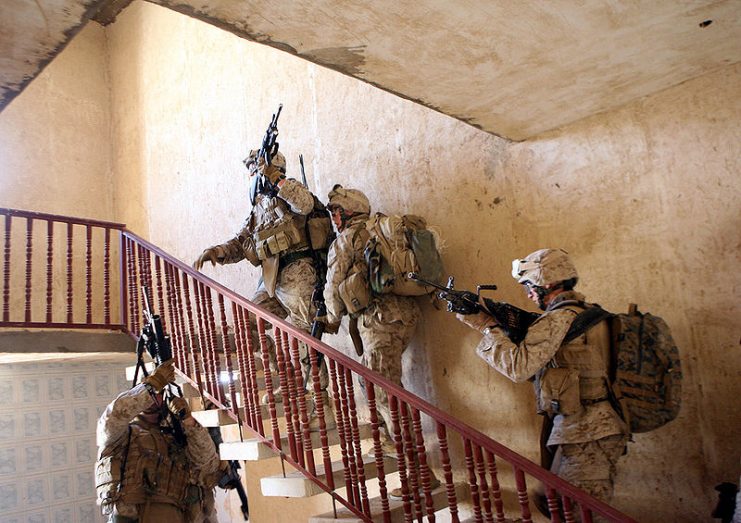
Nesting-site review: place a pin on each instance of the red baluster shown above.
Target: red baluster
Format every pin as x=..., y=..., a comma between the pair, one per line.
x=319, y=407
x=202, y=338
x=296, y=394
x=269, y=381
x=107, y=277
x=160, y=305
x=424, y=469
x=568, y=510
x=228, y=362
x=208, y=340
x=6, y=271
x=442, y=438
x=552, y=498
x=69, y=272
x=49, y=269
x=412, y=472
x=215, y=359
x=134, y=287
x=493, y=475
x=252, y=369
x=245, y=380
x=89, y=274
x=285, y=395
x=472, y=481
x=29, y=257
x=193, y=365
x=356, y=442
x=343, y=424
x=478, y=458
x=522, y=495
x=403, y=474
x=378, y=450
x=180, y=321
x=123, y=281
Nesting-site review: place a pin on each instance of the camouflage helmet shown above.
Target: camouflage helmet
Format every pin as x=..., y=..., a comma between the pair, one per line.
x=278, y=161
x=351, y=200
x=544, y=267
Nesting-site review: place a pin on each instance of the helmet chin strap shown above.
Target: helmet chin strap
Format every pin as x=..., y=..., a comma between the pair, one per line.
x=542, y=292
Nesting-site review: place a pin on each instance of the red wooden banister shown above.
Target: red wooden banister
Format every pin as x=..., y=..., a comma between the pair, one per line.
x=214, y=333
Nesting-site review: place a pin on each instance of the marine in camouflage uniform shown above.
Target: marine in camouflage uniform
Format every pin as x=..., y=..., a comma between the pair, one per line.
x=386, y=323
x=274, y=237
x=587, y=435
x=142, y=474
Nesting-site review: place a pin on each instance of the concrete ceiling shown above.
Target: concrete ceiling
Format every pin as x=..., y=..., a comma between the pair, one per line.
x=511, y=68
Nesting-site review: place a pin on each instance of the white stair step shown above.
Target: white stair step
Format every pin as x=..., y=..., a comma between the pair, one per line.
x=132, y=369
x=255, y=450
x=396, y=508
x=296, y=485
x=213, y=418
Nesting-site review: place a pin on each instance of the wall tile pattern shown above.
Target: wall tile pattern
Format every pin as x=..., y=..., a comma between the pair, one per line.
x=49, y=407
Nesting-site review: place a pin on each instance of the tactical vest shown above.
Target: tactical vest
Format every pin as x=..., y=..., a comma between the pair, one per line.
x=155, y=469
x=277, y=230
x=578, y=373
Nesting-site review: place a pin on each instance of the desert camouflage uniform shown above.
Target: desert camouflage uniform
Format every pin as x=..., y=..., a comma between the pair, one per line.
x=386, y=325
x=291, y=297
x=202, y=461
x=590, y=442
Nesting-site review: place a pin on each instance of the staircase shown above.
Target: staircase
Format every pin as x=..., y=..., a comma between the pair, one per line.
x=218, y=360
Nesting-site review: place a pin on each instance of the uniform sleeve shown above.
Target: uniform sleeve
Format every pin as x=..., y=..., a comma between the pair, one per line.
x=201, y=452
x=520, y=362
x=339, y=263
x=233, y=251
x=298, y=197
x=114, y=422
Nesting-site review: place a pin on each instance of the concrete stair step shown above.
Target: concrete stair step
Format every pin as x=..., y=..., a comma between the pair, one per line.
x=255, y=450
x=296, y=485
x=396, y=508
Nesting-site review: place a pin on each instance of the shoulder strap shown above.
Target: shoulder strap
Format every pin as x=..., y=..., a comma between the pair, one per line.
x=585, y=320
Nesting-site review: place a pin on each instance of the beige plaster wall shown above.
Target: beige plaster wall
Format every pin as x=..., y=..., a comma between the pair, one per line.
x=645, y=198
x=55, y=158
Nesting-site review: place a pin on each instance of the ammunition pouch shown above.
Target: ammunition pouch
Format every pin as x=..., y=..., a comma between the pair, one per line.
x=355, y=293
x=558, y=391
x=276, y=240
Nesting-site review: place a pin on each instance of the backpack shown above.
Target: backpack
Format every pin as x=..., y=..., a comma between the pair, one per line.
x=399, y=245
x=645, y=371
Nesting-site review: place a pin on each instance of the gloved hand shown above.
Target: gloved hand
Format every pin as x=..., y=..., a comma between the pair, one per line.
x=329, y=328
x=162, y=376
x=478, y=321
x=210, y=254
x=271, y=172
x=179, y=406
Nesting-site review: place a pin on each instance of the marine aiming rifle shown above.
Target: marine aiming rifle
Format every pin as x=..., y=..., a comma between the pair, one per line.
x=268, y=149
x=154, y=340
x=231, y=479
x=513, y=320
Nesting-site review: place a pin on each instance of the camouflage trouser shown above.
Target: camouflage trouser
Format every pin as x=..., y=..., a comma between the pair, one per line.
x=591, y=465
x=384, y=343
x=292, y=301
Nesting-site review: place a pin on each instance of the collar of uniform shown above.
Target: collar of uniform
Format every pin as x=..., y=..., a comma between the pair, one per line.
x=565, y=296
x=358, y=219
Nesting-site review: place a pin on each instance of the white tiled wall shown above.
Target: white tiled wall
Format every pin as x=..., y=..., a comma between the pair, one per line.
x=48, y=410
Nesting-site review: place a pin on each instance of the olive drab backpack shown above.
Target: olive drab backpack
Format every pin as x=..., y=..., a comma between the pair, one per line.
x=645, y=372
x=399, y=245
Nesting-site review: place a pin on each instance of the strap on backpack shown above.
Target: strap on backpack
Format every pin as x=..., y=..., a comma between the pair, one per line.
x=585, y=320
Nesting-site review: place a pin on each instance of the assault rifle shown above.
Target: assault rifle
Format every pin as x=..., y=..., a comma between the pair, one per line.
x=513, y=320
x=159, y=347
x=268, y=149
x=231, y=479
